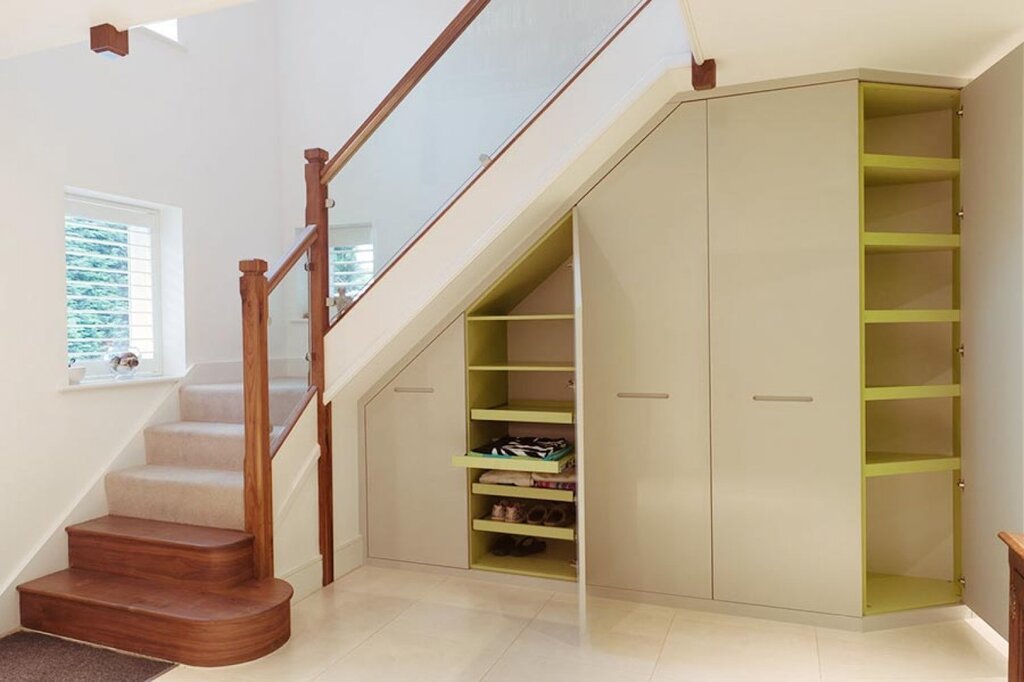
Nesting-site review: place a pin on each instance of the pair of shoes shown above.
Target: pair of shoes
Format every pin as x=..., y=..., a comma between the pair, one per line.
x=509, y=512
x=517, y=546
x=559, y=515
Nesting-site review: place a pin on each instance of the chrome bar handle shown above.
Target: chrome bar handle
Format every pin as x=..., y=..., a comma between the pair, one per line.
x=412, y=389
x=784, y=398
x=647, y=396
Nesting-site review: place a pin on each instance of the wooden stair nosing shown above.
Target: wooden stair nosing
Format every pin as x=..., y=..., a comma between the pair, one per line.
x=184, y=625
x=206, y=558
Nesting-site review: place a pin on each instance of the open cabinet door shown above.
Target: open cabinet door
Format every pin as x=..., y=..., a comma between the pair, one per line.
x=581, y=523
x=992, y=294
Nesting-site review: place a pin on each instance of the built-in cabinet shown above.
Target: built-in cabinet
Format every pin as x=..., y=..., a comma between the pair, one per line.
x=783, y=204
x=644, y=271
x=415, y=501
x=765, y=384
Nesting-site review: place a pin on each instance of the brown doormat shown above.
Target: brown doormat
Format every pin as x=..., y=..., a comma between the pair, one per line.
x=34, y=657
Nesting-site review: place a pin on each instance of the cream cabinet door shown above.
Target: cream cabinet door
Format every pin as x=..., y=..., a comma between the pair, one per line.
x=992, y=266
x=416, y=501
x=785, y=354
x=643, y=268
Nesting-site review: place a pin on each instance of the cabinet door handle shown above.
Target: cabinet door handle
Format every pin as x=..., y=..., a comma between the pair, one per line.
x=412, y=389
x=648, y=396
x=784, y=398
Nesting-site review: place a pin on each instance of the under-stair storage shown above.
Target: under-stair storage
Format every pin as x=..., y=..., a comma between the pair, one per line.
x=643, y=265
x=910, y=236
x=520, y=385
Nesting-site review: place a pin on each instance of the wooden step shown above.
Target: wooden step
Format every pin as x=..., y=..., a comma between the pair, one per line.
x=202, y=628
x=196, y=556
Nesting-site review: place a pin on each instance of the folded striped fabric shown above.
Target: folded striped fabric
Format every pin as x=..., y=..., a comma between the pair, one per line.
x=568, y=475
x=526, y=446
x=554, y=485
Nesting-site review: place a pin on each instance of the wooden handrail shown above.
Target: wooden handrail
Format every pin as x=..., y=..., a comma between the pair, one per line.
x=300, y=248
x=398, y=93
x=292, y=420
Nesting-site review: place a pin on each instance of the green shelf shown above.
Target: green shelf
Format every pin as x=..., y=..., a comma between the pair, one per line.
x=520, y=318
x=892, y=99
x=547, y=532
x=910, y=316
x=529, y=412
x=554, y=563
x=519, y=492
x=890, y=593
x=539, y=466
x=525, y=367
x=890, y=169
x=898, y=463
x=909, y=242
x=911, y=392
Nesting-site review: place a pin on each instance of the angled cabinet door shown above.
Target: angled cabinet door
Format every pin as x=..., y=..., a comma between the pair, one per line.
x=415, y=500
x=785, y=348
x=643, y=268
x=992, y=331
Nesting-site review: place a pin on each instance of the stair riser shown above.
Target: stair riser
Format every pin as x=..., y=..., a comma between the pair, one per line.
x=227, y=406
x=202, y=568
x=174, y=448
x=216, y=506
x=188, y=642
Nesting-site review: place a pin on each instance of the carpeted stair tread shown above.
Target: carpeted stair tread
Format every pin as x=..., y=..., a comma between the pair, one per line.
x=224, y=403
x=158, y=599
x=162, y=532
x=187, y=495
x=214, y=445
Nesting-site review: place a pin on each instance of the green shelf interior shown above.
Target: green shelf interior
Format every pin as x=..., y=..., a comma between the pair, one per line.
x=909, y=242
x=898, y=463
x=556, y=562
x=893, y=169
x=891, y=593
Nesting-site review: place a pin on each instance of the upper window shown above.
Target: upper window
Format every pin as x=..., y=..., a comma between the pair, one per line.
x=112, y=293
x=351, y=259
x=168, y=29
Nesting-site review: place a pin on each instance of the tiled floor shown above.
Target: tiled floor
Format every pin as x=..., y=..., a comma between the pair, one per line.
x=379, y=624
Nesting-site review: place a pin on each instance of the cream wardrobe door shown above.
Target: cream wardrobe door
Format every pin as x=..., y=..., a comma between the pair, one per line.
x=643, y=263
x=785, y=359
x=416, y=501
x=992, y=266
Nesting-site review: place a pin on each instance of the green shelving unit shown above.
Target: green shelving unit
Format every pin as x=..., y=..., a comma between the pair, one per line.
x=515, y=386
x=895, y=167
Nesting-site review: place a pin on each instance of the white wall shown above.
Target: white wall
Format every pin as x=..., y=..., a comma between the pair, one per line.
x=193, y=127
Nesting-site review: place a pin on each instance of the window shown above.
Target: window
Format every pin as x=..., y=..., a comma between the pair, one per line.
x=111, y=283
x=168, y=29
x=351, y=259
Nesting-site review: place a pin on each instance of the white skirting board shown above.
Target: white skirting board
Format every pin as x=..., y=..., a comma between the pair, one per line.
x=349, y=556
x=306, y=579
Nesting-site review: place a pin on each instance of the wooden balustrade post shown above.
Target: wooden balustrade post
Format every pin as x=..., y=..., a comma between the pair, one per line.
x=259, y=503
x=319, y=291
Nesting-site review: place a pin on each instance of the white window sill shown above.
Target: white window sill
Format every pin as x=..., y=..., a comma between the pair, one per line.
x=103, y=383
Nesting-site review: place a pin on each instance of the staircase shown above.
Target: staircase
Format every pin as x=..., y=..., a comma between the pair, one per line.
x=170, y=573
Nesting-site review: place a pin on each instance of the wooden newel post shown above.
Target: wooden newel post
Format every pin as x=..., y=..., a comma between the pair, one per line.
x=319, y=291
x=259, y=502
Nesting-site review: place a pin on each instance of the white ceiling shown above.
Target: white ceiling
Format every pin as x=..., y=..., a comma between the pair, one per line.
x=753, y=40
x=32, y=25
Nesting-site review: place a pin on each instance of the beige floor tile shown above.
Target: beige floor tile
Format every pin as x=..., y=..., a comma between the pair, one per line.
x=471, y=626
x=337, y=609
x=186, y=674
x=517, y=668
x=389, y=582
x=509, y=600
x=943, y=651
x=627, y=655
x=715, y=648
x=401, y=656
x=610, y=615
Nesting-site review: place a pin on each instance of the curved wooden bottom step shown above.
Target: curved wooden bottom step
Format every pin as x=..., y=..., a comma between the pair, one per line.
x=202, y=628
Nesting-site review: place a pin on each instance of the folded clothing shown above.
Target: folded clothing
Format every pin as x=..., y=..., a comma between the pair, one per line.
x=554, y=485
x=567, y=475
x=526, y=446
x=519, y=478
